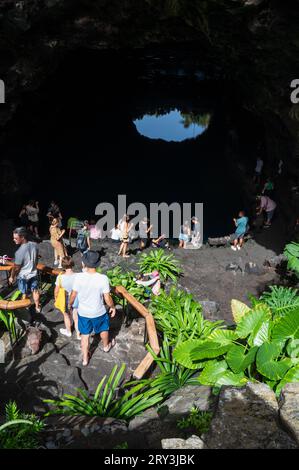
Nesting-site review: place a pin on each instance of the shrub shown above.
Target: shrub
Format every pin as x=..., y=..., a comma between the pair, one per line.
x=179, y=316
x=7, y=317
x=106, y=401
x=20, y=431
x=127, y=279
x=157, y=260
x=263, y=347
x=291, y=251
x=197, y=419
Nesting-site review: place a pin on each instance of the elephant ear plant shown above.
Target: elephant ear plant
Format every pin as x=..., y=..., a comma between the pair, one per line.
x=264, y=346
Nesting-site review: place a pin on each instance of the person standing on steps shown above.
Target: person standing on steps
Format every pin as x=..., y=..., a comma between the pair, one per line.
x=144, y=232
x=125, y=228
x=66, y=281
x=268, y=205
x=241, y=228
x=57, y=242
x=32, y=210
x=83, y=238
x=25, y=267
x=93, y=292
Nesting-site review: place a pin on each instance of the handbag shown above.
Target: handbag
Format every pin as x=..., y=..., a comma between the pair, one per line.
x=60, y=302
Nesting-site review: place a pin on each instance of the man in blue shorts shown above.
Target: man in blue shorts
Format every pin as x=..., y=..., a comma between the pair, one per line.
x=25, y=270
x=93, y=292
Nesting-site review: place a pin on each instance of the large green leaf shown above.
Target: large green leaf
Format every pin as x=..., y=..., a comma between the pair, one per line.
x=212, y=372
x=287, y=326
x=281, y=299
x=293, y=348
x=292, y=375
x=238, y=310
x=223, y=337
x=237, y=360
x=252, y=324
x=209, y=350
x=267, y=364
x=182, y=354
x=229, y=378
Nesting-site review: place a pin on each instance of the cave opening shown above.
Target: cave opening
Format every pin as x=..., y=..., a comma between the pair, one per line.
x=79, y=132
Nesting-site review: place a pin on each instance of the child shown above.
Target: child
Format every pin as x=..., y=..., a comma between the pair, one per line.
x=151, y=279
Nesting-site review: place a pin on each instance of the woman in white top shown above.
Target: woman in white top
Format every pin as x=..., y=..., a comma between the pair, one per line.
x=32, y=211
x=66, y=281
x=115, y=234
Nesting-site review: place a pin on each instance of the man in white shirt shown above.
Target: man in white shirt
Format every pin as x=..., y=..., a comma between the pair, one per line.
x=93, y=292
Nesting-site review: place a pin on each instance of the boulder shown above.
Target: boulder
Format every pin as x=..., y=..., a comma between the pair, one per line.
x=34, y=337
x=83, y=432
x=193, y=442
x=152, y=426
x=210, y=309
x=289, y=408
x=247, y=418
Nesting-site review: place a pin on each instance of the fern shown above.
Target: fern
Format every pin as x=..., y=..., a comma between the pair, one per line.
x=281, y=300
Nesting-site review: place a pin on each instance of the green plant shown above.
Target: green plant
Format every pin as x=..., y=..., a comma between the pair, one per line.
x=291, y=251
x=20, y=431
x=197, y=419
x=281, y=300
x=7, y=317
x=172, y=375
x=106, y=401
x=127, y=279
x=179, y=316
x=157, y=260
x=122, y=445
x=263, y=347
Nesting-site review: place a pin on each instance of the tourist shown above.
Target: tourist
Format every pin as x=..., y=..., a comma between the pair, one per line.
x=160, y=242
x=195, y=239
x=125, y=228
x=268, y=187
x=25, y=266
x=268, y=205
x=144, y=232
x=185, y=233
x=115, y=234
x=32, y=210
x=24, y=217
x=66, y=282
x=258, y=170
x=57, y=242
x=93, y=291
x=54, y=213
x=151, y=280
x=83, y=238
x=95, y=231
x=241, y=228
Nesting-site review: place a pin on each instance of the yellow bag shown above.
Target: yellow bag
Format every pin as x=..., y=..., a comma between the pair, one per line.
x=60, y=302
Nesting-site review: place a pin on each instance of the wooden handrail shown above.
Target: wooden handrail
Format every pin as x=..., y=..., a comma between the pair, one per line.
x=151, y=331
x=119, y=290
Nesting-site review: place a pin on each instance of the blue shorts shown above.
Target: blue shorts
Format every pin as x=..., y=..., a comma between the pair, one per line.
x=87, y=325
x=183, y=237
x=28, y=285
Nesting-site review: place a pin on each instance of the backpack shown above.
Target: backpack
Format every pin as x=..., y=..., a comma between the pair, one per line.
x=82, y=241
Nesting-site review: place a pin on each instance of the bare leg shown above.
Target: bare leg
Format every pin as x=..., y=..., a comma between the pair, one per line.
x=105, y=338
x=75, y=318
x=67, y=322
x=241, y=242
x=85, y=348
x=125, y=250
x=36, y=298
x=120, y=249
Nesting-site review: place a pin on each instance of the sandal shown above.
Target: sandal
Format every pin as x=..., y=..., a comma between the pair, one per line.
x=110, y=346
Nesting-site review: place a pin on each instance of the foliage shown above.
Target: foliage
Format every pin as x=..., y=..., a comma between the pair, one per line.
x=127, y=279
x=106, y=401
x=281, y=300
x=157, y=260
x=7, y=317
x=291, y=251
x=264, y=345
x=122, y=445
x=172, y=375
x=179, y=316
x=20, y=431
x=200, y=420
